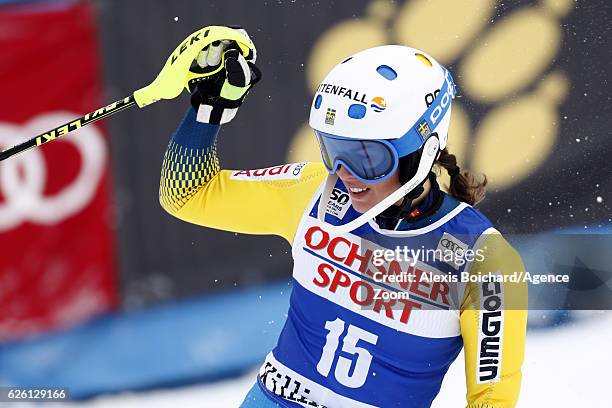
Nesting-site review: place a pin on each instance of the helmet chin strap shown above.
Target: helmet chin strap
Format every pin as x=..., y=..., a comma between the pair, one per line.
x=330, y=182
x=430, y=151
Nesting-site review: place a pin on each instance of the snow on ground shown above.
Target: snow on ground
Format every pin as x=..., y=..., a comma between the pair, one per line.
x=564, y=367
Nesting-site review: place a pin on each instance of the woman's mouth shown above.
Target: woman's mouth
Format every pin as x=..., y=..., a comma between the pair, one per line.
x=358, y=191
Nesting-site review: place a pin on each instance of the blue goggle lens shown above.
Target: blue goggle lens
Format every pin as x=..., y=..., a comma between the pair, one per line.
x=369, y=160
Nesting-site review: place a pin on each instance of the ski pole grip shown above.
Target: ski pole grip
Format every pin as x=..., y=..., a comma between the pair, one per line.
x=176, y=73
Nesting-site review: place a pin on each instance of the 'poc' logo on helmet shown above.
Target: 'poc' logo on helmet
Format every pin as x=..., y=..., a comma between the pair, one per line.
x=437, y=108
x=445, y=100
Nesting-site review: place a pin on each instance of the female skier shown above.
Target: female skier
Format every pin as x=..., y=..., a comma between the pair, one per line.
x=372, y=211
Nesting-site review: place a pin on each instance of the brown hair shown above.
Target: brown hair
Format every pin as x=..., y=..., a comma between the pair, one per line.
x=464, y=185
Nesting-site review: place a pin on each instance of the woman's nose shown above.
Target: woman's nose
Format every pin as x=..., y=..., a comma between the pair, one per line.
x=345, y=175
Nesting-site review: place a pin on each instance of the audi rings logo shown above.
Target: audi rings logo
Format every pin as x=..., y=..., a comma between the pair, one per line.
x=23, y=177
x=448, y=244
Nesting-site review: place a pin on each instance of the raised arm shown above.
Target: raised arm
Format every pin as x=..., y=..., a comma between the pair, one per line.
x=195, y=189
x=493, y=327
x=264, y=201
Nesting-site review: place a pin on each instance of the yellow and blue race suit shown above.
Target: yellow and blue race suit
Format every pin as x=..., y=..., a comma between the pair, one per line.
x=346, y=344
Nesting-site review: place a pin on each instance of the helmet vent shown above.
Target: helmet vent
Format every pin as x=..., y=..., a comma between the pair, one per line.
x=318, y=101
x=347, y=60
x=386, y=72
x=356, y=111
x=424, y=59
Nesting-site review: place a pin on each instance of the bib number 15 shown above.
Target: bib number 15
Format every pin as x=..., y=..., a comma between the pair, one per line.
x=343, y=374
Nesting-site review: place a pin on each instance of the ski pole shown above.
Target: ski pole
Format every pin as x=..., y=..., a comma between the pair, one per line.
x=69, y=127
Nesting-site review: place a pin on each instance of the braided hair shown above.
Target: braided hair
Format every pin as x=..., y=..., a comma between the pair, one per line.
x=464, y=185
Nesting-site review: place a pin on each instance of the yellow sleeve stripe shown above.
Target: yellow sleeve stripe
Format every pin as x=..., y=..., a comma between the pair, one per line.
x=499, y=257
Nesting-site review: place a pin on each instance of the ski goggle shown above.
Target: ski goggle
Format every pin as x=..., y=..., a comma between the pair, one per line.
x=370, y=161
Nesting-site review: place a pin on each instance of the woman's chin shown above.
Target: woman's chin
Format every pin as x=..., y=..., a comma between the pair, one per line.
x=361, y=207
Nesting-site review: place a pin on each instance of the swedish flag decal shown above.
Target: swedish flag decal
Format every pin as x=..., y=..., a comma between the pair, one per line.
x=424, y=129
x=330, y=116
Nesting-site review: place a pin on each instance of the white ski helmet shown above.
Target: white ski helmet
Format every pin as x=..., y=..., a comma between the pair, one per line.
x=375, y=107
